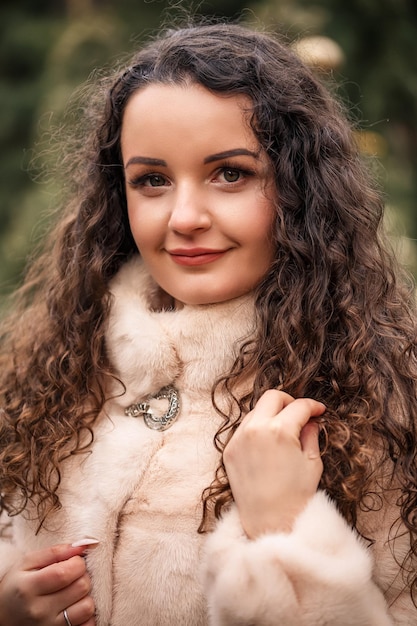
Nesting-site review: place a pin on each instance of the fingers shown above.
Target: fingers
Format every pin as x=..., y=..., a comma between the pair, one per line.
x=81, y=612
x=54, y=568
x=48, y=556
x=293, y=414
x=309, y=439
x=65, y=578
x=53, y=578
x=39, y=596
x=270, y=403
x=273, y=462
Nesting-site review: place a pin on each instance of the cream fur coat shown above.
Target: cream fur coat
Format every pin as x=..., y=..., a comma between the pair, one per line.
x=139, y=494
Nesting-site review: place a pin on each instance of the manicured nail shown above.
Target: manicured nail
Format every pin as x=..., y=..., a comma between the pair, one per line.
x=88, y=542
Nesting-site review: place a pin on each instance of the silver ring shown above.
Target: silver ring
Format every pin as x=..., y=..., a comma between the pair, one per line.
x=66, y=618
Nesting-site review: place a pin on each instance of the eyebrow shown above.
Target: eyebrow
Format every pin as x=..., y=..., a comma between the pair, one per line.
x=146, y=161
x=231, y=153
x=142, y=160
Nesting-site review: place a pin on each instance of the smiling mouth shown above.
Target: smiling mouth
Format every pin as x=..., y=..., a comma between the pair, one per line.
x=196, y=256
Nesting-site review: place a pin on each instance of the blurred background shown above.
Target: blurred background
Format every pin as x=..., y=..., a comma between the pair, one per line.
x=49, y=47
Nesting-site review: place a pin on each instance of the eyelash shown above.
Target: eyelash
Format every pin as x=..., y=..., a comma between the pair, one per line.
x=140, y=181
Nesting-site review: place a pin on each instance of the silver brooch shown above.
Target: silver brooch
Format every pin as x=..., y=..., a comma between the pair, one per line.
x=157, y=422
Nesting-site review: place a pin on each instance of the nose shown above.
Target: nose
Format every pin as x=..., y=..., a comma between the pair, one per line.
x=189, y=212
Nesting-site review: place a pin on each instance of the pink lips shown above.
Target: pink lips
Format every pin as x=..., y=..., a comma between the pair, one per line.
x=195, y=256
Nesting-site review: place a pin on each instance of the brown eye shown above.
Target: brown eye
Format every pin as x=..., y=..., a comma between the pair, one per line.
x=155, y=180
x=231, y=176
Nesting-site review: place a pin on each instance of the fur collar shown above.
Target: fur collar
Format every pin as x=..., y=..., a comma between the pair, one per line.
x=190, y=346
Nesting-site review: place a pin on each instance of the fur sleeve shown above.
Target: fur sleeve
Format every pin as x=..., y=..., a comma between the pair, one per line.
x=320, y=573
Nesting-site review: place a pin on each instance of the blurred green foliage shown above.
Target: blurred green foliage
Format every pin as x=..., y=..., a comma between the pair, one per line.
x=49, y=47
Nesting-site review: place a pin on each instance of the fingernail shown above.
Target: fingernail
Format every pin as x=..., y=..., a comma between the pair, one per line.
x=88, y=542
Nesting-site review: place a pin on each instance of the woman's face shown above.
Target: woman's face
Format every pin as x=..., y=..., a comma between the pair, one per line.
x=200, y=192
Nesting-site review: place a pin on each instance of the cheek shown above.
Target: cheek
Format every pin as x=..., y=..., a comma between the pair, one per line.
x=135, y=228
x=142, y=227
x=262, y=228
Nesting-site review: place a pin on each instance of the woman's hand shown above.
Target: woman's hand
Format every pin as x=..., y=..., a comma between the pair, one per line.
x=273, y=462
x=37, y=590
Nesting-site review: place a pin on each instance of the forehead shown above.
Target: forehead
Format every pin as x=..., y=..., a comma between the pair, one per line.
x=189, y=111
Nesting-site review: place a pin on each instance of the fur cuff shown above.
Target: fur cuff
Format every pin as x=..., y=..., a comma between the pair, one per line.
x=320, y=573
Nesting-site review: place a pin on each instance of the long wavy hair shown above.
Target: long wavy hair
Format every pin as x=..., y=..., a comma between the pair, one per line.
x=336, y=315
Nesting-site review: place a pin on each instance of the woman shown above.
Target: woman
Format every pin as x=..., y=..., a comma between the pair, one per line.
x=218, y=273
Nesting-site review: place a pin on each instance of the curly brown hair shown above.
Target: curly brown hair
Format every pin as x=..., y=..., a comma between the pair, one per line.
x=336, y=314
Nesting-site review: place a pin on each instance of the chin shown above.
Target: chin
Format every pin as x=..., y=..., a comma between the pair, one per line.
x=206, y=298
